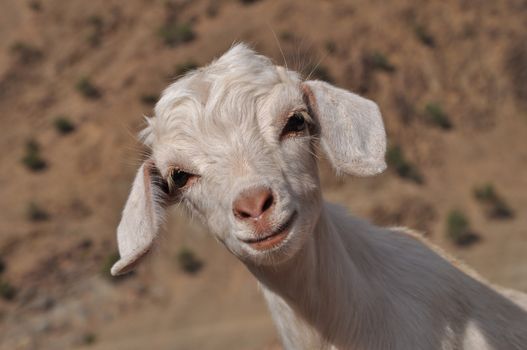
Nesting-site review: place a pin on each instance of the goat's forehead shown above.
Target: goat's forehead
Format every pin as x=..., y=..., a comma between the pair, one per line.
x=228, y=107
x=198, y=136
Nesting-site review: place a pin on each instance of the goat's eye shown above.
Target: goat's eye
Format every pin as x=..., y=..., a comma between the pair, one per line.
x=178, y=179
x=295, y=124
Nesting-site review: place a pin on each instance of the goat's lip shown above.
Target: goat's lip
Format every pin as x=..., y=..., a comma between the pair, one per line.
x=274, y=238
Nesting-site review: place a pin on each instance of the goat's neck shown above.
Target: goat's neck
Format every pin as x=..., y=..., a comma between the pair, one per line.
x=322, y=284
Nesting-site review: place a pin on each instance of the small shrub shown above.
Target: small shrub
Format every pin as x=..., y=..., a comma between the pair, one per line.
x=485, y=193
x=26, y=53
x=174, y=33
x=495, y=206
x=188, y=261
x=107, y=266
x=287, y=36
x=458, y=229
x=36, y=213
x=63, y=125
x=7, y=291
x=331, y=46
x=500, y=210
x=436, y=116
x=89, y=338
x=96, y=23
x=85, y=244
x=149, y=99
x=185, y=67
x=423, y=35
x=33, y=160
x=35, y=5
x=212, y=9
x=396, y=159
x=87, y=89
x=79, y=209
x=404, y=108
x=379, y=61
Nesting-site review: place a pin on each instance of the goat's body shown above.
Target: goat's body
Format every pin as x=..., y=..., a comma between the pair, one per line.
x=357, y=286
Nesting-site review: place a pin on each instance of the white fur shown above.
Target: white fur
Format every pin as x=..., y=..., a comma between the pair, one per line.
x=334, y=282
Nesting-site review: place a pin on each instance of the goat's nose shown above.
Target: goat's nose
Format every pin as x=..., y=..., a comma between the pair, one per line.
x=253, y=203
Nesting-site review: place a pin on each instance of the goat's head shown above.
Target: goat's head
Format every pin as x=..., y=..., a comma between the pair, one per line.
x=235, y=143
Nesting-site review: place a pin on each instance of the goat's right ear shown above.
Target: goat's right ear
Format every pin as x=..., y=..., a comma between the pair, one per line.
x=142, y=217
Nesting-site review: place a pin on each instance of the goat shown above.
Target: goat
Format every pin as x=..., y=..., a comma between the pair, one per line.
x=235, y=143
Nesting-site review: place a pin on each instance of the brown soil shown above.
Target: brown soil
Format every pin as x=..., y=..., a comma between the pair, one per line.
x=468, y=57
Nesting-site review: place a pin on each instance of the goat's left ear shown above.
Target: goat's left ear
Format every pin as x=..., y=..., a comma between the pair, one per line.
x=351, y=128
x=142, y=217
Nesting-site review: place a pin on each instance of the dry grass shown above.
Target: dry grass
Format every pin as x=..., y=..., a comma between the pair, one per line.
x=516, y=68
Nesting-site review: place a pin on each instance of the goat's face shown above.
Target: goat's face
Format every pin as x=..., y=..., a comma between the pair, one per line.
x=247, y=170
x=235, y=144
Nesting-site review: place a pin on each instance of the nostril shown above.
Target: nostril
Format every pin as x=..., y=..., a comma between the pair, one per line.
x=242, y=214
x=268, y=202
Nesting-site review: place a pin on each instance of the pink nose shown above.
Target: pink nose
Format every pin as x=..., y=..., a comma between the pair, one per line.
x=253, y=203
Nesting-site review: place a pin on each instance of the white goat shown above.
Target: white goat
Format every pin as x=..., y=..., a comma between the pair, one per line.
x=235, y=143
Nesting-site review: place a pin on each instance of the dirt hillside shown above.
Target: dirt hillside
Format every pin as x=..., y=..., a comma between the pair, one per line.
x=76, y=77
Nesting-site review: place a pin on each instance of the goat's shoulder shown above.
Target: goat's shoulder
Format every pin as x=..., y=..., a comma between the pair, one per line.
x=514, y=295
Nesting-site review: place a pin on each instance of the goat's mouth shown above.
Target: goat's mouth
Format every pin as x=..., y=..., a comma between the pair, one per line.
x=274, y=238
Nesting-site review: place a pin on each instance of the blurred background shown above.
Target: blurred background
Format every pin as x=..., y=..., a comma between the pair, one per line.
x=76, y=77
